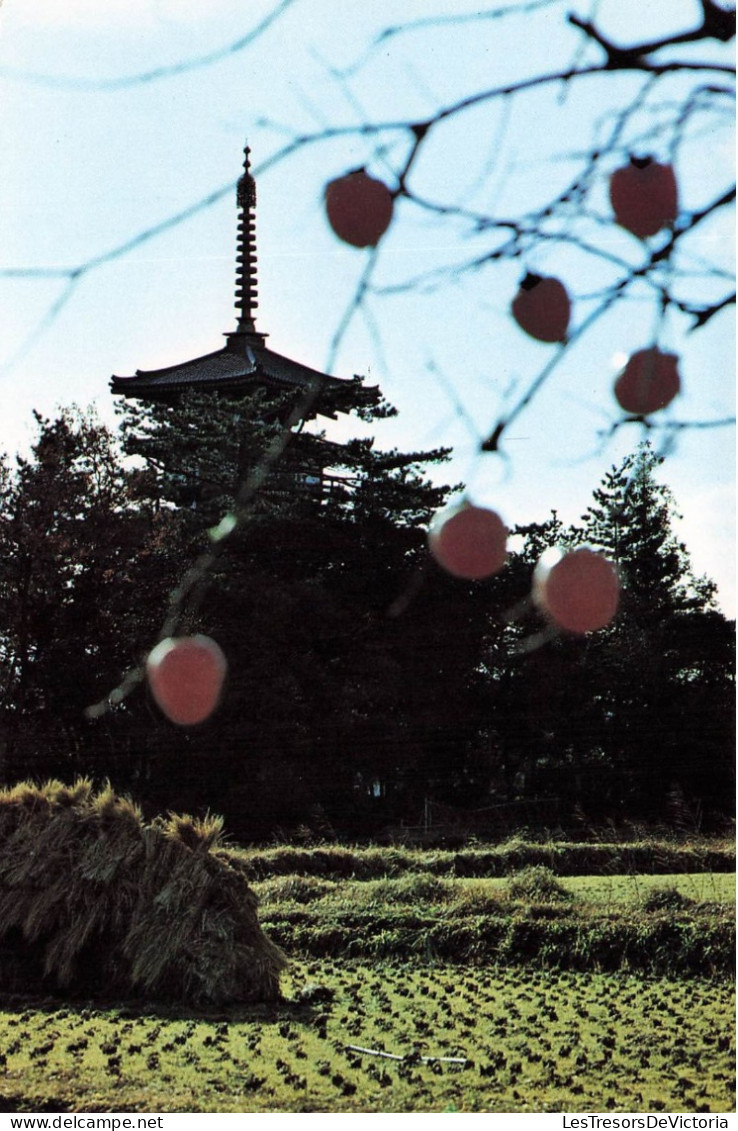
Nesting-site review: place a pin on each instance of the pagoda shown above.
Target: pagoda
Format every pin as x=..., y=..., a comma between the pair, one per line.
x=245, y=364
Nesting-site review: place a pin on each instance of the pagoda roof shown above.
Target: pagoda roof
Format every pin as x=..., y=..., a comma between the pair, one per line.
x=246, y=363
x=243, y=366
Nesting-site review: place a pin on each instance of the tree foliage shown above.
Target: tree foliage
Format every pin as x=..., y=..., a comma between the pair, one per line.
x=77, y=587
x=614, y=721
x=362, y=678
x=631, y=519
x=349, y=654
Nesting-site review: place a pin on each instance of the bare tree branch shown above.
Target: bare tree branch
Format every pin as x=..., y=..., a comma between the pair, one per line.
x=567, y=219
x=626, y=57
x=68, y=82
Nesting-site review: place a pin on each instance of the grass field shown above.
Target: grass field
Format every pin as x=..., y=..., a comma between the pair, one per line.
x=532, y=1041
x=562, y=996
x=601, y=891
x=659, y=926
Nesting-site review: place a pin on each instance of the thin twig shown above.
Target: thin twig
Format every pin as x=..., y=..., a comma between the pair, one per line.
x=409, y=1056
x=68, y=82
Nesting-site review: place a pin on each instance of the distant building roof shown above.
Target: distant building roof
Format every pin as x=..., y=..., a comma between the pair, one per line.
x=245, y=362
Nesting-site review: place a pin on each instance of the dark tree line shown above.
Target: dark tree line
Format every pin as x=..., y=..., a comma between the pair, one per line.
x=362, y=679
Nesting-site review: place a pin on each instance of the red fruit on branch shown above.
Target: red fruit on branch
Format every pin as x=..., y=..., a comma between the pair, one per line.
x=359, y=208
x=186, y=677
x=542, y=308
x=468, y=541
x=650, y=381
x=578, y=590
x=644, y=195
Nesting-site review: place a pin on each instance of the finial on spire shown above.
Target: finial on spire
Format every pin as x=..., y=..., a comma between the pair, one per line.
x=246, y=189
x=246, y=281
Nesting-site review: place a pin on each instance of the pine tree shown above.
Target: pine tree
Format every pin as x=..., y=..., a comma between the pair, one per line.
x=73, y=540
x=621, y=720
x=350, y=654
x=648, y=686
x=631, y=520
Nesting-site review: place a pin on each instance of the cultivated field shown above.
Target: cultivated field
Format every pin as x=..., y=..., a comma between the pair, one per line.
x=525, y=989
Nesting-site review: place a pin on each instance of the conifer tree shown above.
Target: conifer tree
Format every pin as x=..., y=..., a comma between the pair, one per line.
x=621, y=720
x=631, y=520
x=350, y=654
x=74, y=586
x=666, y=718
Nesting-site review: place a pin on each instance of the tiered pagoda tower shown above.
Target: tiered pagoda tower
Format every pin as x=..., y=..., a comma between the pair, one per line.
x=245, y=363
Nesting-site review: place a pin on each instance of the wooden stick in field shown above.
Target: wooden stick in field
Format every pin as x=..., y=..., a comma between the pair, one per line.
x=408, y=1057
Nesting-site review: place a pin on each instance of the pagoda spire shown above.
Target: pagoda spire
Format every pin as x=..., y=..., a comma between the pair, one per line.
x=245, y=363
x=246, y=278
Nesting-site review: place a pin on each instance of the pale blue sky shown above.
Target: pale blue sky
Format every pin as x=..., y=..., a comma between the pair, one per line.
x=90, y=161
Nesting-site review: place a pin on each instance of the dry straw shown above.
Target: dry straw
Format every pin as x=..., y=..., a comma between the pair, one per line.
x=93, y=899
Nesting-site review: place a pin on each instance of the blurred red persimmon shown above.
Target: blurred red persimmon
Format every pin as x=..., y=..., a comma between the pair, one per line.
x=468, y=541
x=186, y=677
x=542, y=308
x=578, y=590
x=650, y=381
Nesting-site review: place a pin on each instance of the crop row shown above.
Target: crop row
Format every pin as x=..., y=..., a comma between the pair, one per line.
x=532, y=917
x=658, y=944
x=648, y=857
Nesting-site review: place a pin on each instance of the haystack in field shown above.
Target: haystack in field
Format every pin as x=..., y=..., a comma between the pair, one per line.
x=94, y=900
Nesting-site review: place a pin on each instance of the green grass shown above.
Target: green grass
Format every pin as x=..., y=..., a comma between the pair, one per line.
x=660, y=925
x=616, y=890
x=563, y=991
x=534, y=1041
x=598, y=890
x=649, y=856
x=700, y=886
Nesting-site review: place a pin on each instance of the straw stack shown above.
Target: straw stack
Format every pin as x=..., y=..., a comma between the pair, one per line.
x=94, y=900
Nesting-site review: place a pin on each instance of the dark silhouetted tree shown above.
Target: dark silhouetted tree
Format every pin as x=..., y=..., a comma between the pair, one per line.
x=350, y=654
x=621, y=719
x=73, y=581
